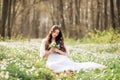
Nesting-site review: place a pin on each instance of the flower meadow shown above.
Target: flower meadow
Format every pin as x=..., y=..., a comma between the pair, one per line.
x=20, y=60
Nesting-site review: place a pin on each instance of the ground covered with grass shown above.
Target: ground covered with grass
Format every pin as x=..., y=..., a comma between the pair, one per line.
x=19, y=60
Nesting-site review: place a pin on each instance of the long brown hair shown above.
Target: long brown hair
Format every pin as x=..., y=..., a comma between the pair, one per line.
x=59, y=39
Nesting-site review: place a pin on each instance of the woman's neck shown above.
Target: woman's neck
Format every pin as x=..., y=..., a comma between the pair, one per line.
x=53, y=39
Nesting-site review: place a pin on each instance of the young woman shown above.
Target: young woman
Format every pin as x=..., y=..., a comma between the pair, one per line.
x=54, y=49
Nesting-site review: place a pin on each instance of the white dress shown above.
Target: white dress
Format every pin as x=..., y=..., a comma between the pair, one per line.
x=59, y=63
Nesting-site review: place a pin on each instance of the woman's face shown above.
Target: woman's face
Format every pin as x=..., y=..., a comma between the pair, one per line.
x=55, y=33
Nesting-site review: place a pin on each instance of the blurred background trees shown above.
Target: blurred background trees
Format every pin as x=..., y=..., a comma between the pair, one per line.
x=33, y=18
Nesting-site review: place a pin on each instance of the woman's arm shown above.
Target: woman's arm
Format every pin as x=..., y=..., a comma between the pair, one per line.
x=43, y=52
x=60, y=51
x=47, y=52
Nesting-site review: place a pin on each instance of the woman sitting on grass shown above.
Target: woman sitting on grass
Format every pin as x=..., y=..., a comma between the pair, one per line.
x=56, y=52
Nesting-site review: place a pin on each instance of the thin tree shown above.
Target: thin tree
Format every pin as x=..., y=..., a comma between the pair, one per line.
x=92, y=16
x=77, y=18
x=105, y=15
x=77, y=12
x=60, y=8
x=9, y=18
x=112, y=14
x=98, y=15
x=118, y=8
x=4, y=17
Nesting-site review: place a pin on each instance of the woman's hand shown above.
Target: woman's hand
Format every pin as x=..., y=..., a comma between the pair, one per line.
x=59, y=51
x=47, y=52
x=51, y=50
x=56, y=50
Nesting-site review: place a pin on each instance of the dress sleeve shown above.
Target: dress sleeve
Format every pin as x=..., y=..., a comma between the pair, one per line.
x=42, y=48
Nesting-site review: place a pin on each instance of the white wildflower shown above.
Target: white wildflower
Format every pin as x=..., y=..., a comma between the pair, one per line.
x=7, y=75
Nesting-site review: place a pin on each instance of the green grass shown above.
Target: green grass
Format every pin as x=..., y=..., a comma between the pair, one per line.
x=22, y=61
x=106, y=36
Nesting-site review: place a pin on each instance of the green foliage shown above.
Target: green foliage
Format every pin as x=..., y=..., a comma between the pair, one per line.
x=106, y=36
x=2, y=53
x=16, y=72
x=71, y=41
x=13, y=38
x=65, y=78
x=45, y=74
x=40, y=74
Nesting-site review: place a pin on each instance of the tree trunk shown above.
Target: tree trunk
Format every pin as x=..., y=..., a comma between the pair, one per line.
x=71, y=13
x=61, y=15
x=58, y=13
x=13, y=16
x=53, y=13
x=101, y=16
x=9, y=19
x=92, y=16
x=118, y=8
x=98, y=15
x=86, y=14
x=112, y=14
x=77, y=19
x=23, y=21
x=105, y=15
x=69, y=19
x=0, y=13
x=77, y=12
x=30, y=19
x=4, y=17
x=35, y=21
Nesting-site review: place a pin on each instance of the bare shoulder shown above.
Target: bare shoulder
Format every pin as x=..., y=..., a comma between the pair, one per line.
x=44, y=40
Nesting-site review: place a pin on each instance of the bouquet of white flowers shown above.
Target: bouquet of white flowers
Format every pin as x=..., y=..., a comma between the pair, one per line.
x=54, y=45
